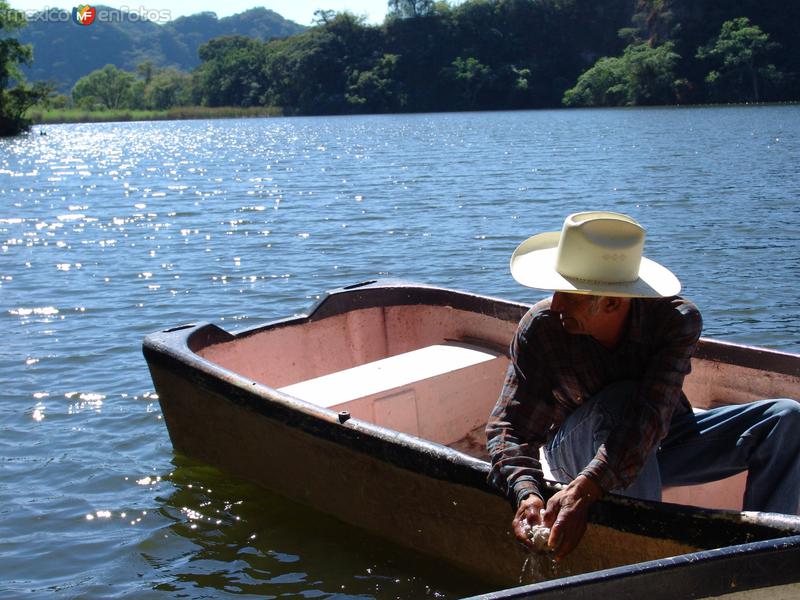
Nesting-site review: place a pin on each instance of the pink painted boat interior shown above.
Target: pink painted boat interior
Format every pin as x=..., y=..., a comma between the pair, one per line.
x=435, y=372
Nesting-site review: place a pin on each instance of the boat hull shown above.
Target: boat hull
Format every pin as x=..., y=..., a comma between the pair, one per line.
x=450, y=513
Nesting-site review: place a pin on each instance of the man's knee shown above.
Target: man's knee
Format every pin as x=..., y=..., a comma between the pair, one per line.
x=610, y=403
x=576, y=441
x=778, y=422
x=787, y=411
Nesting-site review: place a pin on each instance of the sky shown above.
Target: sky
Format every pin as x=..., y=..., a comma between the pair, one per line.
x=299, y=11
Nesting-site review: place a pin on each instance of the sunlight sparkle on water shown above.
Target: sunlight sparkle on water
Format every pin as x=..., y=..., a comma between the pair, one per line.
x=91, y=401
x=147, y=480
x=45, y=311
x=38, y=413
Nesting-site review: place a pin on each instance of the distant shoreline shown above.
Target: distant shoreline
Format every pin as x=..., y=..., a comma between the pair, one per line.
x=75, y=115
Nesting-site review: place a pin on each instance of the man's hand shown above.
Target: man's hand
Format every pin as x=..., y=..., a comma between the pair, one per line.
x=528, y=514
x=567, y=513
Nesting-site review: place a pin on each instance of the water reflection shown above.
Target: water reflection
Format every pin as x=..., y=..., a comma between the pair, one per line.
x=238, y=538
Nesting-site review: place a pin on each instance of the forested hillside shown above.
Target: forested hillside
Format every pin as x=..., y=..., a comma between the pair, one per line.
x=505, y=54
x=64, y=51
x=426, y=56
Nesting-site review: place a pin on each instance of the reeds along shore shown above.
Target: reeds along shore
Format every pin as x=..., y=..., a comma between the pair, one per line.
x=75, y=115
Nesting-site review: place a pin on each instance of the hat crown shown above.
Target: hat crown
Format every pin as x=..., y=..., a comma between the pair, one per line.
x=600, y=246
x=596, y=253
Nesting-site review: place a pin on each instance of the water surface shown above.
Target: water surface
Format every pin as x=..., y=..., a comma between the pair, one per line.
x=111, y=231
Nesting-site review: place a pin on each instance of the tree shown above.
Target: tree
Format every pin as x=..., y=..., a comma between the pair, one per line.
x=741, y=50
x=605, y=84
x=168, y=88
x=16, y=97
x=146, y=70
x=408, y=9
x=109, y=87
x=323, y=17
x=376, y=89
x=652, y=73
x=338, y=66
x=424, y=46
x=230, y=74
x=642, y=75
x=470, y=77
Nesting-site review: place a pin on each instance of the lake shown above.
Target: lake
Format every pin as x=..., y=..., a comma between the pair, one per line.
x=109, y=232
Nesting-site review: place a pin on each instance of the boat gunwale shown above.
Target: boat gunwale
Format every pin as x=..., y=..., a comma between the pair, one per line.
x=752, y=357
x=176, y=350
x=713, y=573
x=394, y=292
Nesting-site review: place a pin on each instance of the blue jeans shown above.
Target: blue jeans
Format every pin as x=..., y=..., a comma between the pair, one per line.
x=762, y=437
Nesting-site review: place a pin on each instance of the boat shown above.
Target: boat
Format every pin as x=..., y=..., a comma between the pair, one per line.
x=371, y=408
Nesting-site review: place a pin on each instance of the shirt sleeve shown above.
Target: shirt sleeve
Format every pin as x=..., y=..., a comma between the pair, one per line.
x=647, y=416
x=518, y=425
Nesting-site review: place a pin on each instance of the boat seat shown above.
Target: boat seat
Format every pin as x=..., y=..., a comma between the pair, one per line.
x=438, y=392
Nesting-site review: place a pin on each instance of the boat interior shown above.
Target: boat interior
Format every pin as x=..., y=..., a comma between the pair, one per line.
x=436, y=371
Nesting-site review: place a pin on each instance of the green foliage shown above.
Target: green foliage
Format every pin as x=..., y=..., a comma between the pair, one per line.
x=642, y=75
x=740, y=52
x=77, y=115
x=16, y=97
x=12, y=52
x=113, y=89
x=692, y=24
x=409, y=9
x=377, y=88
x=168, y=88
x=336, y=67
x=56, y=102
x=230, y=74
x=108, y=87
x=470, y=77
x=605, y=84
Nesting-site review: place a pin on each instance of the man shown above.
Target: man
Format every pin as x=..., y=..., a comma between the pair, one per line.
x=596, y=379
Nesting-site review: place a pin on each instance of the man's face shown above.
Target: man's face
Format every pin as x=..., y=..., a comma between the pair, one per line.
x=579, y=313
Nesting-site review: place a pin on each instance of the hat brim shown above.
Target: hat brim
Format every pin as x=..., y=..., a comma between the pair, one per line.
x=533, y=264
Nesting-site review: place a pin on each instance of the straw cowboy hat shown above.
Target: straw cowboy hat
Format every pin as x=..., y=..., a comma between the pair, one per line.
x=594, y=253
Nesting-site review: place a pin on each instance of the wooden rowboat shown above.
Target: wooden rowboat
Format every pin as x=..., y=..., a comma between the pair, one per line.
x=372, y=408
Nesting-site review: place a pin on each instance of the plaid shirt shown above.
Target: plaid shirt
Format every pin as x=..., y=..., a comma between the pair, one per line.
x=553, y=372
